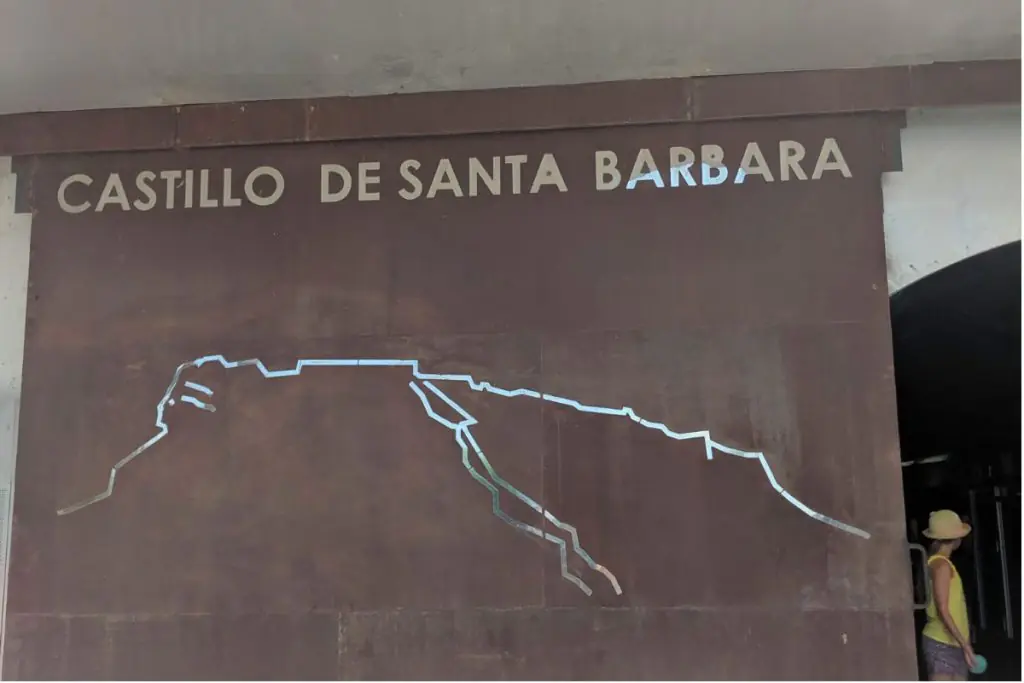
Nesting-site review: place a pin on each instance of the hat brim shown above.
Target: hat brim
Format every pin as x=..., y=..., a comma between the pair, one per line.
x=964, y=530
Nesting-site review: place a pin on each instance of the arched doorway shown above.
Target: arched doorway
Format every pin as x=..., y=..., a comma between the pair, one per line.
x=957, y=357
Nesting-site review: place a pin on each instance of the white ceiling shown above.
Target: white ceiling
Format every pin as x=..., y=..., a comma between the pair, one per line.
x=75, y=54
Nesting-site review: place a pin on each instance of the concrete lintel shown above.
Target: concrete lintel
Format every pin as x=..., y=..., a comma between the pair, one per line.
x=707, y=98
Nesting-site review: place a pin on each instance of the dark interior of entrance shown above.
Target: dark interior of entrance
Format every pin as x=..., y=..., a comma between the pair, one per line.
x=957, y=356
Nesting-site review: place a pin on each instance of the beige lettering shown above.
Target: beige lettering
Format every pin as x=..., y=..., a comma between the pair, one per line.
x=62, y=190
x=366, y=181
x=250, y=186
x=644, y=168
x=753, y=163
x=189, y=180
x=113, y=193
x=606, y=171
x=407, y=171
x=444, y=179
x=830, y=159
x=327, y=171
x=170, y=179
x=516, y=161
x=478, y=173
x=791, y=153
x=227, y=199
x=142, y=182
x=682, y=159
x=548, y=173
x=711, y=158
x=205, y=200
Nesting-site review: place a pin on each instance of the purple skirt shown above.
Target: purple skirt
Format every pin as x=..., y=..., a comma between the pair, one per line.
x=944, y=660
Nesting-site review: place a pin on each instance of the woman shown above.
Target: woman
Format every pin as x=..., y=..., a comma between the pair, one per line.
x=946, y=637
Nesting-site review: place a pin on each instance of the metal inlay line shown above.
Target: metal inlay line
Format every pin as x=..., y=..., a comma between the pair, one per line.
x=476, y=463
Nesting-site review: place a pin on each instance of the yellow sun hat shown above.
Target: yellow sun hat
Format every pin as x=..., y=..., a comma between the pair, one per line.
x=946, y=525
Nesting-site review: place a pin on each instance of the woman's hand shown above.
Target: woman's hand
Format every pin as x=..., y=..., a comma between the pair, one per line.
x=969, y=657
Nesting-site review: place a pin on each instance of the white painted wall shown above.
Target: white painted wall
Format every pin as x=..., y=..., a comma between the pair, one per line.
x=14, y=249
x=84, y=54
x=959, y=193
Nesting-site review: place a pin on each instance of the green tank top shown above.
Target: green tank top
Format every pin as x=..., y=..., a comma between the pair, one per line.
x=934, y=628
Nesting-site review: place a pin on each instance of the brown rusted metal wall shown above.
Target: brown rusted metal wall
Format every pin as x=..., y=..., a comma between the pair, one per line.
x=325, y=526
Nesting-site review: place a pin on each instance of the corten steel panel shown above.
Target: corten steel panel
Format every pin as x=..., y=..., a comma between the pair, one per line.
x=325, y=525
